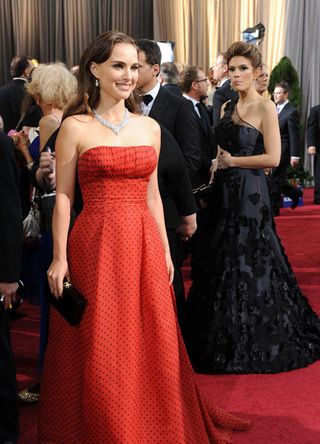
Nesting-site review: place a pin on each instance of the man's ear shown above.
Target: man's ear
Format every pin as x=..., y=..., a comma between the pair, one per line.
x=194, y=85
x=156, y=69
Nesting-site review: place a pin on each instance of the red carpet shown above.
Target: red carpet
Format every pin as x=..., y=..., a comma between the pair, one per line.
x=284, y=408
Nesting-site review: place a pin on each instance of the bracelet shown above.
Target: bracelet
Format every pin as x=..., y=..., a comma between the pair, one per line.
x=30, y=164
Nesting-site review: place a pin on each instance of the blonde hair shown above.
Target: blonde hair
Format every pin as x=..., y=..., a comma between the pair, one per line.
x=53, y=84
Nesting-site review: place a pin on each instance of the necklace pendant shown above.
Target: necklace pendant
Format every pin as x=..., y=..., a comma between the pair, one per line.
x=115, y=128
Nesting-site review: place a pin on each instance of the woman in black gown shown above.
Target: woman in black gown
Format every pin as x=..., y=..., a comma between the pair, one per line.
x=246, y=313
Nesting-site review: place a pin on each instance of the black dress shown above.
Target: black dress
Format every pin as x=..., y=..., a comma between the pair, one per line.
x=246, y=313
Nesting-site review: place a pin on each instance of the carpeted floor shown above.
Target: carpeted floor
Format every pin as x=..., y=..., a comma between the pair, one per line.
x=284, y=408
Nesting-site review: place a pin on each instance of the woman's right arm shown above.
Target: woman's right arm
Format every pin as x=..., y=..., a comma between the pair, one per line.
x=271, y=139
x=66, y=164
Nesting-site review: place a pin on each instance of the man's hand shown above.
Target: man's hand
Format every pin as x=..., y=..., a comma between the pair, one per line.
x=8, y=293
x=294, y=162
x=187, y=227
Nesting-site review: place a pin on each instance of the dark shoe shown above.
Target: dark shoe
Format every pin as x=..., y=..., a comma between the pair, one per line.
x=30, y=395
x=295, y=199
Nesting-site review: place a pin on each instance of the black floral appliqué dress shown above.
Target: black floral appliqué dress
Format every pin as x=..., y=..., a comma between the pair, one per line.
x=245, y=312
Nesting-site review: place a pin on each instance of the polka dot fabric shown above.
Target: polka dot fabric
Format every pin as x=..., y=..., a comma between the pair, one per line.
x=122, y=376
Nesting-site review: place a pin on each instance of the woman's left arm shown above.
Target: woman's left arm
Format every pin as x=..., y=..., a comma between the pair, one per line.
x=155, y=205
x=271, y=140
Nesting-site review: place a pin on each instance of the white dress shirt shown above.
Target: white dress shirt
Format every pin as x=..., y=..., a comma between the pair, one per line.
x=279, y=109
x=145, y=109
x=194, y=102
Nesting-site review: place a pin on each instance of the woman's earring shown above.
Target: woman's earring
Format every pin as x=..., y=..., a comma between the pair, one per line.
x=97, y=82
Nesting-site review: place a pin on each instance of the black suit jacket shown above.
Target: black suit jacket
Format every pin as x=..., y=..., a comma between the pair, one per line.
x=174, y=182
x=207, y=146
x=313, y=128
x=11, y=97
x=10, y=213
x=177, y=115
x=10, y=263
x=289, y=124
x=221, y=96
x=174, y=89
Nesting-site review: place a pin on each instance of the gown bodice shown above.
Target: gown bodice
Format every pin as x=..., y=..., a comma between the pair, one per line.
x=115, y=173
x=237, y=136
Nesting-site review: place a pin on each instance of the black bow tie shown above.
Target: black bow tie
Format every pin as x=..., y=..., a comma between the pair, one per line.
x=147, y=99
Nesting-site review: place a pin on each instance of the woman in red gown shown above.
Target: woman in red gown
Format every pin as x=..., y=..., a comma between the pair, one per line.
x=123, y=375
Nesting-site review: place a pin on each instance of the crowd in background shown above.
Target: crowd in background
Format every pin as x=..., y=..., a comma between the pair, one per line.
x=187, y=102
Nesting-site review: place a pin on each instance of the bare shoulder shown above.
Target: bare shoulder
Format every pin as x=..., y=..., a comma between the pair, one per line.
x=76, y=123
x=266, y=106
x=48, y=121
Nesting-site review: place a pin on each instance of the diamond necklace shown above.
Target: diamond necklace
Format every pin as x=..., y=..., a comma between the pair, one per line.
x=115, y=128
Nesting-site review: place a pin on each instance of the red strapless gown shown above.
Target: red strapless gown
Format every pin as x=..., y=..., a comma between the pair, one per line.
x=123, y=375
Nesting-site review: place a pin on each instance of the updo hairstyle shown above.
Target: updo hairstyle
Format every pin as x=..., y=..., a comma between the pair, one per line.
x=250, y=52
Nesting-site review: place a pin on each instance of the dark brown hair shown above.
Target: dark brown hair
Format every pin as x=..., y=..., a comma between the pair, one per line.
x=19, y=64
x=285, y=86
x=151, y=49
x=246, y=50
x=188, y=75
x=88, y=93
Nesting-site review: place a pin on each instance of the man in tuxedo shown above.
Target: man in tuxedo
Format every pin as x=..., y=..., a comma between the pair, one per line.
x=223, y=91
x=176, y=115
x=313, y=142
x=194, y=85
x=289, y=124
x=12, y=95
x=179, y=209
x=173, y=112
x=10, y=264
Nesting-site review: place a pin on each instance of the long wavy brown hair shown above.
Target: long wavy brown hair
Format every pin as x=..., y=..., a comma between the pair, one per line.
x=88, y=94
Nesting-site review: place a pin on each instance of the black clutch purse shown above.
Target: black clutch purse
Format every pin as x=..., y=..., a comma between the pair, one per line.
x=71, y=305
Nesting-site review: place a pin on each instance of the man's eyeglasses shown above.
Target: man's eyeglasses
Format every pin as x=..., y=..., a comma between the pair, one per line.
x=202, y=80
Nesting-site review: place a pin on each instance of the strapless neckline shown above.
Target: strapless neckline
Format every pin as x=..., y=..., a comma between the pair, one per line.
x=245, y=126
x=115, y=146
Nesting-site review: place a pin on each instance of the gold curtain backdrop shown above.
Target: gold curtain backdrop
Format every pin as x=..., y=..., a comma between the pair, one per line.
x=203, y=28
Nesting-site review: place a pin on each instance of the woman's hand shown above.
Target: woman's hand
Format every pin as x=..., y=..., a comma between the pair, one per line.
x=58, y=270
x=47, y=167
x=170, y=267
x=224, y=159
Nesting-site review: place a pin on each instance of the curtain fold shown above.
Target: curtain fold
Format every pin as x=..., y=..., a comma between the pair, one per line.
x=302, y=47
x=60, y=30
x=203, y=28
x=7, y=42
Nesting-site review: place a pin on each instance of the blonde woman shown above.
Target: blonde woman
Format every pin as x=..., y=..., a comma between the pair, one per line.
x=52, y=87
